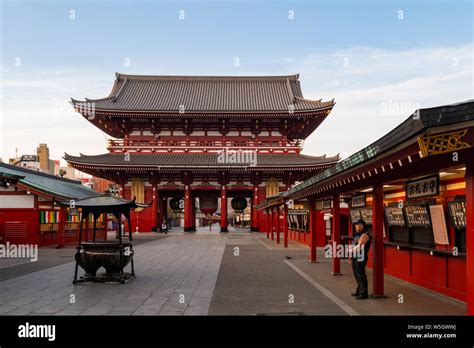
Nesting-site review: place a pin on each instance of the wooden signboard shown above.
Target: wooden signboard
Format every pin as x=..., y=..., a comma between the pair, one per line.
x=327, y=204
x=423, y=187
x=297, y=211
x=438, y=223
x=358, y=201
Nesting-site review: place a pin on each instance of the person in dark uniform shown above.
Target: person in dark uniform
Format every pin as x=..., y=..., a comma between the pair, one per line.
x=361, y=242
x=164, y=227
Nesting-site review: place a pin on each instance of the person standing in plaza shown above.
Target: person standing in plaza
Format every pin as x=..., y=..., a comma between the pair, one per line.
x=360, y=249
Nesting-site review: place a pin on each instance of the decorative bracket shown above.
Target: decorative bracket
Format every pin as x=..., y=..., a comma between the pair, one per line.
x=442, y=143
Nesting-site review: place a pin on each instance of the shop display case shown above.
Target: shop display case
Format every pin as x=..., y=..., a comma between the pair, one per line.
x=419, y=221
x=397, y=228
x=457, y=214
x=354, y=214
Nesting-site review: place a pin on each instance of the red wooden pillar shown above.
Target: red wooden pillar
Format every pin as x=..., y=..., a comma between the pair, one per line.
x=165, y=210
x=154, y=208
x=193, y=214
x=278, y=223
x=187, y=209
x=269, y=223
x=273, y=223
x=224, y=209
x=470, y=237
x=285, y=225
x=106, y=223
x=377, y=245
x=312, y=231
x=122, y=186
x=336, y=232
x=87, y=227
x=254, y=218
x=162, y=202
x=62, y=227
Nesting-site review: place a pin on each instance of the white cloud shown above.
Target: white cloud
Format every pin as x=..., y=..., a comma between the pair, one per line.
x=35, y=106
x=376, y=78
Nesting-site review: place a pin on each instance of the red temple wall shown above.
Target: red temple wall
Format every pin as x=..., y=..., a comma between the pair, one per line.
x=442, y=273
x=20, y=216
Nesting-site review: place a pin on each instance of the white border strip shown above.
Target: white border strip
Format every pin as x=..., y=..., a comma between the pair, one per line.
x=348, y=309
x=265, y=244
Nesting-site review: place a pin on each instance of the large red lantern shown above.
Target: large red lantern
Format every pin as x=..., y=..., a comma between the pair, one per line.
x=208, y=205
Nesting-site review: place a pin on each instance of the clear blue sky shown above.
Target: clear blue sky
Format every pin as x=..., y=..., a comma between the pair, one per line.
x=425, y=58
x=149, y=32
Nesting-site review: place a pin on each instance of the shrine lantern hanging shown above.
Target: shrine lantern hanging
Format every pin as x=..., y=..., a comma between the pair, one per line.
x=208, y=205
x=175, y=204
x=239, y=204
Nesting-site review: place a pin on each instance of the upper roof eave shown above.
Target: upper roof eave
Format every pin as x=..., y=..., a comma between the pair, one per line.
x=328, y=106
x=293, y=77
x=419, y=122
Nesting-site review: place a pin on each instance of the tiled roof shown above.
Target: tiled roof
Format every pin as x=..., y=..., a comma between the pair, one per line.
x=107, y=201
x=207, y=93
x=199, y=160
x=49, y=184
x=420, y=121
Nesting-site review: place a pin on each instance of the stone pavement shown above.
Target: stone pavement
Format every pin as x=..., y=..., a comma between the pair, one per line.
x=176, y=275
x=237, y=273
x=50, y=256
x=271, y=272
x=256, y=281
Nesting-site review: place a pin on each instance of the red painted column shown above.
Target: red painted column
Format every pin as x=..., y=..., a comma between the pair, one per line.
x=62, y=227
x=154, y=208
x=312, y=231
x=187, y=209
x=377, y=244
x=122, y=186
x=87, y=227
x=193, y=214
x=273, y=223
x=336, y=233
x=277, y=230
x=254, y=220
x=285, y=225
x=224, y=209
x=106, y=223
x=161, y=211
x=268, y=222
x=470, y=237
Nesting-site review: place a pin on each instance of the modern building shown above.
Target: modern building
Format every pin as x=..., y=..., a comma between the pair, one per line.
x=39, y=162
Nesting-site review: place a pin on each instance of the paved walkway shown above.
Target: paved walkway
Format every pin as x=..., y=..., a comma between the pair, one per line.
x=176, y=275
x=270, y=272
x=256, y=281
x=237, y=273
